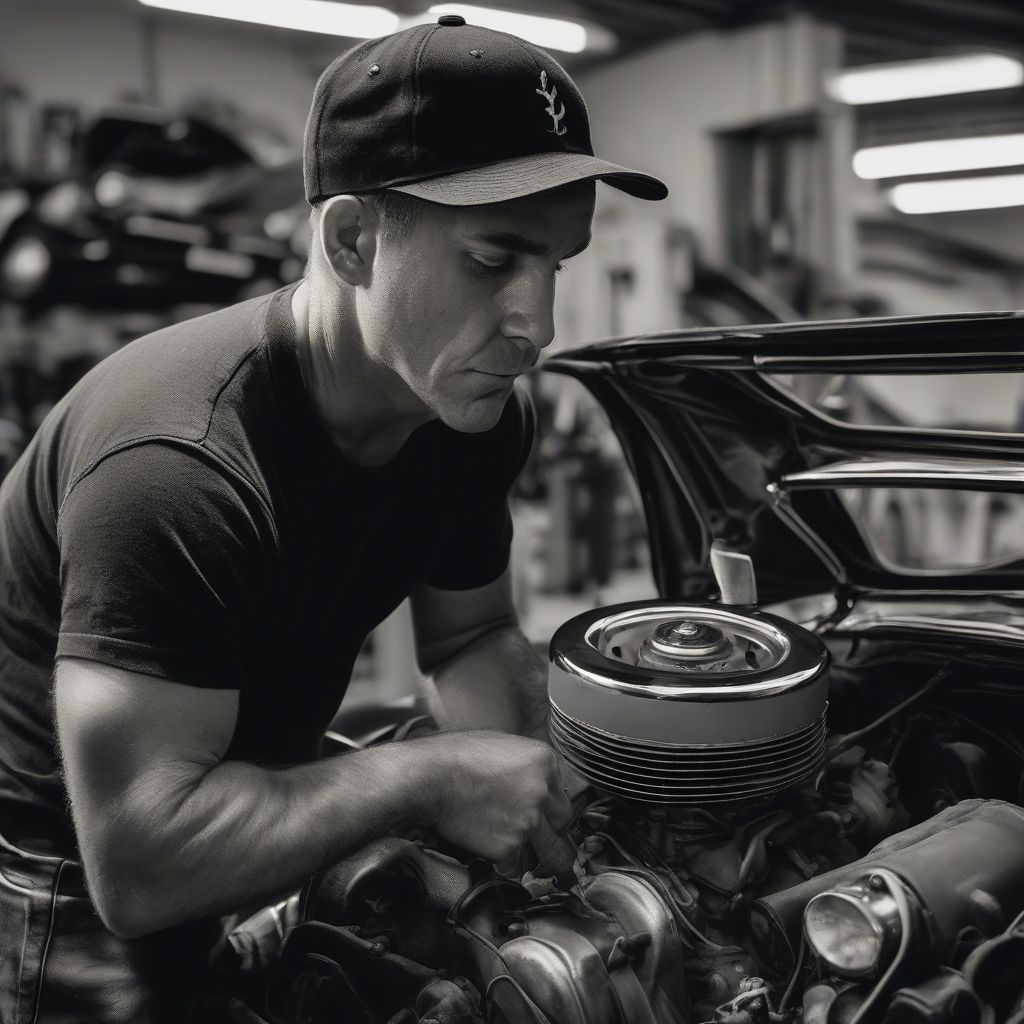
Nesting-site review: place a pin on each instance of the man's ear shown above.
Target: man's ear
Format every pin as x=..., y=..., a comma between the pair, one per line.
x=347, y=237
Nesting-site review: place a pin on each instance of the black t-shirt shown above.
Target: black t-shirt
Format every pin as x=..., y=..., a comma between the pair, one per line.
x=183, y=513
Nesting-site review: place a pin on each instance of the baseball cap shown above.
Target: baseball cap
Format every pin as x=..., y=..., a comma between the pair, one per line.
x=454, y=114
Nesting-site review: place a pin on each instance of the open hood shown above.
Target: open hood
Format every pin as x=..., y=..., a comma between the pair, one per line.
x=723, y=448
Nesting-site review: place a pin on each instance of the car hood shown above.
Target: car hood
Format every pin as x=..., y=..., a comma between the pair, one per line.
x=721, y=450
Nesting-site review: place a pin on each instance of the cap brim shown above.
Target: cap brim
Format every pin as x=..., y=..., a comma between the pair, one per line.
x=523, y=176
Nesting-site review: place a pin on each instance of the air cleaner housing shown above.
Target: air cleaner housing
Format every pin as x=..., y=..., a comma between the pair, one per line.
x=688, y=703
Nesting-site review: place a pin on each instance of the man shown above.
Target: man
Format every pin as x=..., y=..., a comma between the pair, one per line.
x=205, y=529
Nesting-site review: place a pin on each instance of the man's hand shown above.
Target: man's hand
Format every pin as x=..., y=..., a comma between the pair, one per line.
x=499, y=792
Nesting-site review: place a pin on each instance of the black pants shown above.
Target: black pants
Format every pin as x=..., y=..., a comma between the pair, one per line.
x=60, y=965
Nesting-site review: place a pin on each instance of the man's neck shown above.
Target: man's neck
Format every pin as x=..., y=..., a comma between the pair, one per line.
x=346, y=389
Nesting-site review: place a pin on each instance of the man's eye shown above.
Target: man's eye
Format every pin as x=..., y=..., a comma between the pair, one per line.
x=490, y=264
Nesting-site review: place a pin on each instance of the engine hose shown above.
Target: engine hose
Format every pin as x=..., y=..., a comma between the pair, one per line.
x=1005, y=741
x=619, y=848
x=470, y=933
x=757, y=841
x=540, y=1016
x=651, y=852
x=654, y=879
x=663, y=892
x=852, y=738
x=675, y=877
x=784, y=1001
x=744, y=997
x=684, y=897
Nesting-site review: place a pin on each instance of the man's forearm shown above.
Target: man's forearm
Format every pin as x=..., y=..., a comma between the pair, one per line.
x=242, y=833
x=498, y=682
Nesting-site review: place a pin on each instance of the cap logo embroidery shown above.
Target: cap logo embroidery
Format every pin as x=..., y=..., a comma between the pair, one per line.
x=550, y=97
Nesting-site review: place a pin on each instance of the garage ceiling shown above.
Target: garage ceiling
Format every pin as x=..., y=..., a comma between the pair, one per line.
x=878, y=27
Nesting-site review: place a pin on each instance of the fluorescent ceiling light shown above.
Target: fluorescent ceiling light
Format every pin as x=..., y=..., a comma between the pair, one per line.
x=959, y=194
x=939, y=155
x=337, y=19
x=553, y=33
x=933, y=76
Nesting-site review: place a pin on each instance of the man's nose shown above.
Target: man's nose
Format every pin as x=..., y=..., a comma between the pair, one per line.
x=530, y=309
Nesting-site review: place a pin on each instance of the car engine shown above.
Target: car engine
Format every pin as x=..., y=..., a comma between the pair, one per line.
x=784, y=825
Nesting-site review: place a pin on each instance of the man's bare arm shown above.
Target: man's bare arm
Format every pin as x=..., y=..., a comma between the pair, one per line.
x=486, y=673
x=169, y=831
x=497, y=683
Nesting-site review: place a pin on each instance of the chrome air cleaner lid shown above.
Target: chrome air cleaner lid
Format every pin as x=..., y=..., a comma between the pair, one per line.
x=688, y=703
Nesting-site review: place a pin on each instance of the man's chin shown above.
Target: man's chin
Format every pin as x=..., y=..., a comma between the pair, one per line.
x=476, y=415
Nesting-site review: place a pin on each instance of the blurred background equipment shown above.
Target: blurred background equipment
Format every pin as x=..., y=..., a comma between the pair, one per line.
x=150, y=171
x=143, y=209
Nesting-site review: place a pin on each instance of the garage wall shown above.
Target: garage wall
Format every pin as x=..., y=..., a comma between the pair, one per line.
x=660, y=111
x=94, y=53
x=100, y=53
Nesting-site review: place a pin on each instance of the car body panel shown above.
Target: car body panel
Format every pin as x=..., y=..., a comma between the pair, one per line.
x=722, y=450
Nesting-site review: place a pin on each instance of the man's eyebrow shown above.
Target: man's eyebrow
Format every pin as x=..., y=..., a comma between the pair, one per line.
x=513, y=242
x=517, y=243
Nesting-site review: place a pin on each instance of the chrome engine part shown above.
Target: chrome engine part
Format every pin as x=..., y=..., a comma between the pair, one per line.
x=849, y=916
x=887, y=922
x=386, y=927
x=688, y=704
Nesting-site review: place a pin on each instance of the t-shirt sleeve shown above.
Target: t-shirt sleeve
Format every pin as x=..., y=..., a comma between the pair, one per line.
x=474, y=537
x=165, y=561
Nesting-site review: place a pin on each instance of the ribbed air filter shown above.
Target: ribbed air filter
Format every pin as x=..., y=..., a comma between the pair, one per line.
x=688, y=704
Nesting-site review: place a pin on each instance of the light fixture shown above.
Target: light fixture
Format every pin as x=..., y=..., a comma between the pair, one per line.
x=355, y=21
x=931, y=76
x=939, y=155
x=952, y=194
x=552, y=33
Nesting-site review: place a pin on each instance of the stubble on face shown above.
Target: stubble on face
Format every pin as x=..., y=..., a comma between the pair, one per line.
x=463, y=305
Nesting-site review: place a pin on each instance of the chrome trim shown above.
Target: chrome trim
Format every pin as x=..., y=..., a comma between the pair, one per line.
x=882, y=362
x=690, y=693
x=866, y=621
x=952, y=473
x=685, y=690
x=656, y=752
x=734, y=574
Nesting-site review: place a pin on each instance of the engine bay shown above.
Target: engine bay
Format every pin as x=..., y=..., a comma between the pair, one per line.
x=771, y=868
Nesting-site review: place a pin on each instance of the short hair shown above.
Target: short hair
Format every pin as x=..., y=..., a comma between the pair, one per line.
x=397, y=212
